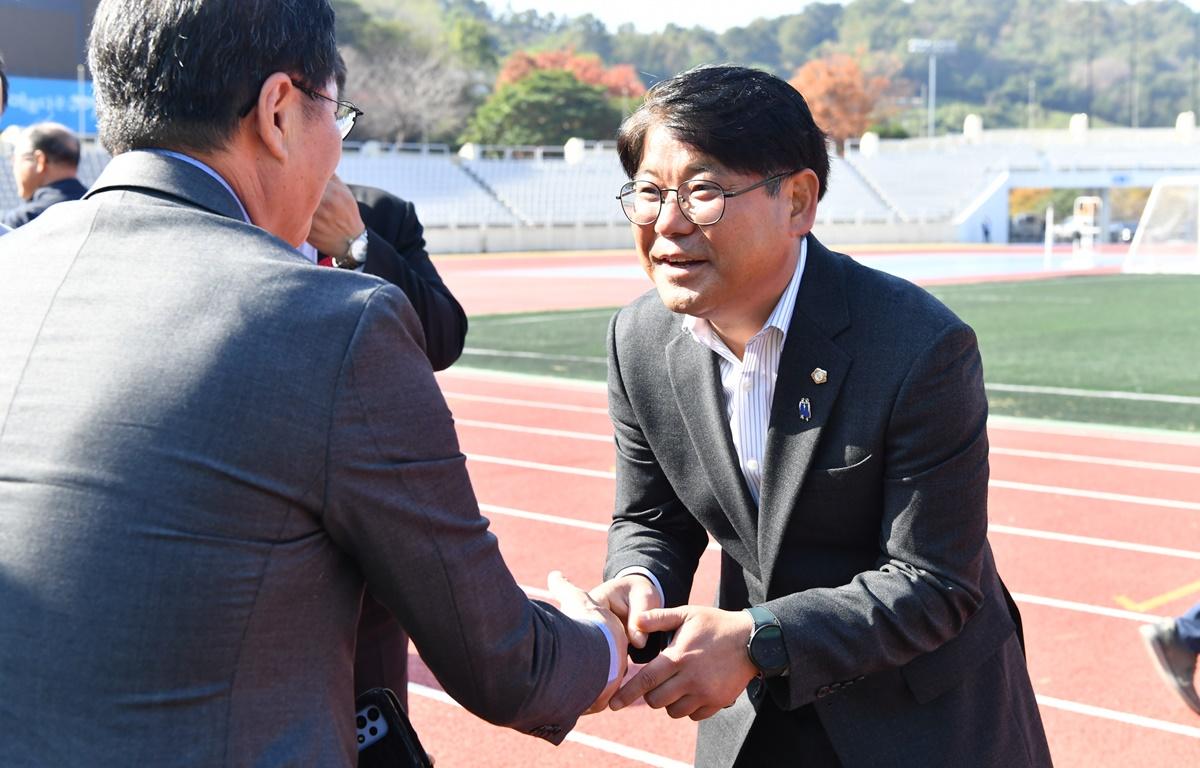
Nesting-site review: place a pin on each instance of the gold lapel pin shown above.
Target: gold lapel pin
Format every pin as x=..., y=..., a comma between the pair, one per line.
x=820, y=376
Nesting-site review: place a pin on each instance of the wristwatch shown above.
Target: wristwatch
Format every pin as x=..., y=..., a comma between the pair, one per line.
x=765, y=647
x=355, y=255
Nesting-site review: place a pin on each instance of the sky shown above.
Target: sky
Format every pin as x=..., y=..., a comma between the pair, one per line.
x=653, y=15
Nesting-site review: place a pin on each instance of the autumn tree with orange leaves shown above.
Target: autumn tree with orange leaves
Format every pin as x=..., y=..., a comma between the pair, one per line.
x=840, y=95
x=620, y=81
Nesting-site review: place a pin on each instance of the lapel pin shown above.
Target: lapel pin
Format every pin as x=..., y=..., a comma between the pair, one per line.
x=805, y=409
x=820, y=376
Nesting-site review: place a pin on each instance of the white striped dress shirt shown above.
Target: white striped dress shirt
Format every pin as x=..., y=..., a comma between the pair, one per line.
x=749, y=384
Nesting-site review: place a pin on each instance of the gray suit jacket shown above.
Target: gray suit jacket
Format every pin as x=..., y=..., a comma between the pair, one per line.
x=870, y=543
x=207, y=446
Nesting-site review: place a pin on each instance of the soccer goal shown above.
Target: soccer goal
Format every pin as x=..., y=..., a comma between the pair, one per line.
x=1168, y=234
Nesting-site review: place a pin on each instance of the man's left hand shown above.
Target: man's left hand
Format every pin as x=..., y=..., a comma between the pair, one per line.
x=703, y=670
x=337, y=221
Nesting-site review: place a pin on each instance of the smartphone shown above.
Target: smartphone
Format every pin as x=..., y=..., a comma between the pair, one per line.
x=386, y=738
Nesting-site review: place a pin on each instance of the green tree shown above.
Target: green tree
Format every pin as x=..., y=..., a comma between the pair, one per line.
x=544, y=108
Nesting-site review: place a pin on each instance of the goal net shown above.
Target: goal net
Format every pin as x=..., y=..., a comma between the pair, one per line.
x=1168, y=235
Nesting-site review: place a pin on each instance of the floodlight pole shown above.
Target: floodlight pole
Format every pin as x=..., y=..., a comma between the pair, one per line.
x=931, y=48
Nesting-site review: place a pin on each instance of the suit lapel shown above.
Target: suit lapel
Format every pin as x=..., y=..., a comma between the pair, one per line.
x=696, y=380
x=792, y=440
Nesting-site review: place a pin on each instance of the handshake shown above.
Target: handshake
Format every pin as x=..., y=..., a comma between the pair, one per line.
x=703, y=669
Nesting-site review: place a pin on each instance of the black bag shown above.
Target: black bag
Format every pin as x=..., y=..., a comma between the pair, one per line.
x=386, y=738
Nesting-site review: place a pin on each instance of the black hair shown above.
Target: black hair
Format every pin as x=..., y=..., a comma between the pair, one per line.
x=174, y=73
x=746, y=119
x=55, y=141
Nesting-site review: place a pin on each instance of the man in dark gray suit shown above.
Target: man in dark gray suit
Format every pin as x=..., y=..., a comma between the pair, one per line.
x=208, y=446
x=825, y=424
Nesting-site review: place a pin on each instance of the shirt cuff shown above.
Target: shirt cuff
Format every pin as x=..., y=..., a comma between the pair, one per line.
x=662, y=600
x=614, y=665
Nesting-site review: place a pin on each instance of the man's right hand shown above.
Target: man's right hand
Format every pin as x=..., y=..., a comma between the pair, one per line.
x=577, y=604
x=628, y=597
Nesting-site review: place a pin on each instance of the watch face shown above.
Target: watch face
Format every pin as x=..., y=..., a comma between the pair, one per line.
x=767, y=650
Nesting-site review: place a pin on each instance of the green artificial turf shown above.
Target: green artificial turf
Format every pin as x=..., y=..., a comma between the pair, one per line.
x=1135, y=334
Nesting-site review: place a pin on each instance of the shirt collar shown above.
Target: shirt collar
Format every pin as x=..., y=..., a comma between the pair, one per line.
x=207, y=169
x=780, y=317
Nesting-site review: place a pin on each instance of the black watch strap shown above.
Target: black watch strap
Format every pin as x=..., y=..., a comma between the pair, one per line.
x=766, y=647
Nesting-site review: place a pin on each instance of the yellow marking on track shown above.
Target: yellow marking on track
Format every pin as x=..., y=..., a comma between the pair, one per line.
x=1161, y=600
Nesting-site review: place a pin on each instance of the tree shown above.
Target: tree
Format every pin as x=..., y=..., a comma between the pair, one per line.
x=840, y=96
x=407, y=93
x=619, y=81
x=545, y=107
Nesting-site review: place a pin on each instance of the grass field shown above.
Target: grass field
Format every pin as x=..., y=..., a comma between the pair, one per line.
x=1128, y=346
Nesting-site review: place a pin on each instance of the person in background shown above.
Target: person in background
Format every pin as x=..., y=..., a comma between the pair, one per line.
x=1174, y=645
x=3, y=106
x=208, y=448
x=826, y=425
x=45, y=166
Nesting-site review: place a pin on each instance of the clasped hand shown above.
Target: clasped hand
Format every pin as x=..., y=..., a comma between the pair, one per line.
x=705, y=666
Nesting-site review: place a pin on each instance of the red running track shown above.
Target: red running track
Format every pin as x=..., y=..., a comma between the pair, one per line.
x=1095, y=531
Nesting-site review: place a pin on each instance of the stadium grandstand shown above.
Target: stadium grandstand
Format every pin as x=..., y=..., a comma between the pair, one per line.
x=951, y=188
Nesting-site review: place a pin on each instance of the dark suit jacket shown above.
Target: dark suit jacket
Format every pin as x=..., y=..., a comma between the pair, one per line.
x=870, y=542
x=396, y=252
x=207, y=449
x=43, y=198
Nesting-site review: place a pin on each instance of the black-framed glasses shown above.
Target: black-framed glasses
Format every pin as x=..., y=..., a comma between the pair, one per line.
x=700, y=201
x=344, y=117
x=346, y=113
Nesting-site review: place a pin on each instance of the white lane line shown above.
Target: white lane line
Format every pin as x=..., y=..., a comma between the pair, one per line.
x=592, y=437
x=1125, y=498
x=1090, y=541
x=569, y=522
x=595, y=742
x=1120, y=717
x=1019, y=452
x=1007, y=484
x=1101, y=460
x=450, y=395
x=1095, y=393
x=559, y=468
x=1095, y=610
x=534, y=355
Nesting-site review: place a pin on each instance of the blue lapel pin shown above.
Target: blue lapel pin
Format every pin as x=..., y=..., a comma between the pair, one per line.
x=805, y=409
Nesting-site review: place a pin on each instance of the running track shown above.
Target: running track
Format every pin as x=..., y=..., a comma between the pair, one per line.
x=1095, y=531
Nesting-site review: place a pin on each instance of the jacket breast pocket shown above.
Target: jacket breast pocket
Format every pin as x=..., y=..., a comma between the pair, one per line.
x=841, y=478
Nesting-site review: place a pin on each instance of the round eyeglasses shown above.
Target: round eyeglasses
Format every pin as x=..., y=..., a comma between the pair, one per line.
x=700, y=201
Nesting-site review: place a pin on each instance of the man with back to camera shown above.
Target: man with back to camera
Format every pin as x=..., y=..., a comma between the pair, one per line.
x=825, y=423
x=207, y=447
x=46, y=167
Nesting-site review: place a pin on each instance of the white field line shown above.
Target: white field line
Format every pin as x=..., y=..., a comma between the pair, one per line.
x=570, y=522
x=1120, y=717
x=1094, y=393
x=1053, y=490
x=449, y=395
x=1018, y=452
x=1070, y=538
x=1100, y=460
x=559, y=468
x=595, y=742
x=590, y=436
x=1094, y=610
